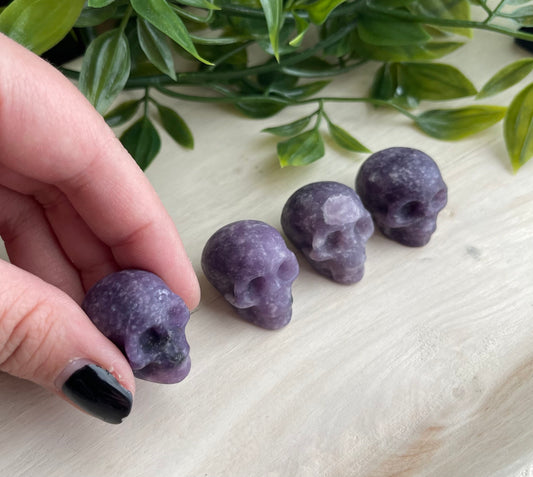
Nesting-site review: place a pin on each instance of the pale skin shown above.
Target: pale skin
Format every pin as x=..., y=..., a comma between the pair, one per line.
x=74, y=207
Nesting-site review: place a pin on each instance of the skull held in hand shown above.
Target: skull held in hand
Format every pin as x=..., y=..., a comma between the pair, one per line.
x=329, y=224
x=249, y=263
x=404, y=191
x=146, y=320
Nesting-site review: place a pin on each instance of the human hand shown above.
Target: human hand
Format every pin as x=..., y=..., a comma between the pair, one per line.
x=75, y=207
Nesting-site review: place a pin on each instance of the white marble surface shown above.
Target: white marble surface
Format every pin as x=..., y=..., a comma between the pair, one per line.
x=425, y=368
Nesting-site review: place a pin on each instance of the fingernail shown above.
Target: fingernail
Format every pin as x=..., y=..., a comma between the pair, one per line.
x=97, y=391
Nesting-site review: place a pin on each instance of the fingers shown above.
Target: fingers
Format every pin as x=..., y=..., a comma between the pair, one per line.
x=31, y=245
x=63, y=141
x=46, y=338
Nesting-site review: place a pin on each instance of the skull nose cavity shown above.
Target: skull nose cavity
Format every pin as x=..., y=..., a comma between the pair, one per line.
x=154, y=338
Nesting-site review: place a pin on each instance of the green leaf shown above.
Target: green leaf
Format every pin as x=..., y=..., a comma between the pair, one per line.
x=392, y=3
x=523, y=15
x=160, y=14
x=302, y=25
x=385, y=82
x=273, y=10
x=39, y=24
x=290, y=129
x=175, y=126
x=506, y=77
x=426, y=51
x=142, y=141
x=105, y=69
x=433, y=81
x=302, y=149
x=344, y=139
x=445, y=9
x=320, y=9
x=206, y=4
x=518, y=128
x=90, y=17
x=309, y=68
x=122, y=113
x=259, y=109
x=99, y=3
x=154, y=45
x=453, y=124
x=383, y=30
x=302, y=91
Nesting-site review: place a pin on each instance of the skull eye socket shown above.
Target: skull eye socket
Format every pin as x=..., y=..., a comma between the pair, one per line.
x=257, y=286
x=411, y=210
x=364, y=226
x=286, y=270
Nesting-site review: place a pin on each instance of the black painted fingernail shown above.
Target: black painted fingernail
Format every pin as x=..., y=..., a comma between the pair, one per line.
x=98, y=392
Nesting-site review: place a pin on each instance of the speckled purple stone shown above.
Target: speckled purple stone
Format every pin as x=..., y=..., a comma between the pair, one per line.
x=138, y=312
x=404, y=191
x=249, y=263
x=328, y=223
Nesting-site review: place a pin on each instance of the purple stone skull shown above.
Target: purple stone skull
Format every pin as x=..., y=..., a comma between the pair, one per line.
x=249, y=263
x=404, y=191
x=328, y=223
x=146, y=320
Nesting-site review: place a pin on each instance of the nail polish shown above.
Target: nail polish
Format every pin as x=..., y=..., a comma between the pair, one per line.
x=97, y=391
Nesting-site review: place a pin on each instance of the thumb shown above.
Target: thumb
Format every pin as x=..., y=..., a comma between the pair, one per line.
x=46, y=338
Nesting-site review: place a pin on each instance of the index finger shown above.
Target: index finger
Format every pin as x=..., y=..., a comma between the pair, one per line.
x=51, y=134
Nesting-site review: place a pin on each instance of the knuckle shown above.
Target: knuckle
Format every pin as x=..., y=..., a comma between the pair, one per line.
x=25, y=330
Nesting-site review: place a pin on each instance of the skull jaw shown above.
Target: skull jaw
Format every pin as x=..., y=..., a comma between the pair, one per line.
x=414, y=235
x=337, y=271
x=270, y=321
x=164, y=372
x=346, y=267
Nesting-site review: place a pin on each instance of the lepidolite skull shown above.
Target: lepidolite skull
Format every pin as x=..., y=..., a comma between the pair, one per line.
x=138, y=312
x=329, y=224
x=404, y=191
x=249, y=263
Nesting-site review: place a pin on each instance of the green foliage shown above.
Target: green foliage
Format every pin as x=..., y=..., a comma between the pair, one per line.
x=132, y=44
x=518, y=128
x=453, y=124
x=142, y=141
x=105, y=69
x=505, y=78
x=39, y=24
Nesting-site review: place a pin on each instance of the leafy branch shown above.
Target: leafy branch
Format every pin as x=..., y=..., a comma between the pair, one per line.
x=170, y=45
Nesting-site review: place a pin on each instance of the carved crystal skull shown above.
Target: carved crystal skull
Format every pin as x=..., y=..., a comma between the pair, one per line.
x=329, y=224
x=249, y=263
x=146, y=321
x=404, y=191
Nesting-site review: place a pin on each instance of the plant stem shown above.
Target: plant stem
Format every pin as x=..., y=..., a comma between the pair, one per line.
x=146, y=100
x=232, y=99
x=495, y=12
x=125, y=19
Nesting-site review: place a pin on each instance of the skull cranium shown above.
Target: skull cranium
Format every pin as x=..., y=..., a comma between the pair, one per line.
x=404, y=191
x=249, y=263
x=328, y=223
x=146, y=320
